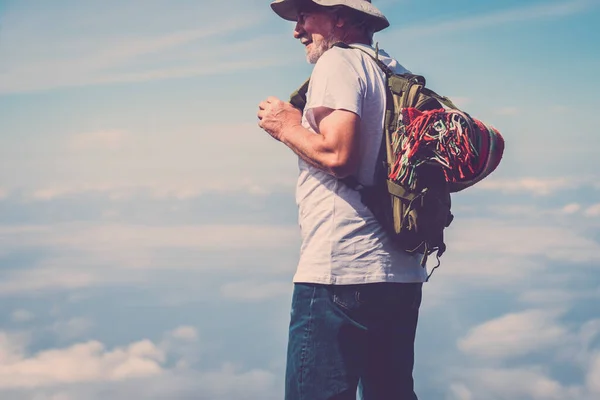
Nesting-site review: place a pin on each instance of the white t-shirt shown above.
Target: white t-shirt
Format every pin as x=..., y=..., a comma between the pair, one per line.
x=342, y=242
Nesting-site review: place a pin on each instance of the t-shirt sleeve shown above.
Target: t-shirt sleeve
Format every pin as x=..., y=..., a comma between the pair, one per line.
x=335, y=83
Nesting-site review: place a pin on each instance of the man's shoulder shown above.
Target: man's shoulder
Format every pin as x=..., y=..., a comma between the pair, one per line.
x=336, y=63
x=357, y=56
x=336, y=55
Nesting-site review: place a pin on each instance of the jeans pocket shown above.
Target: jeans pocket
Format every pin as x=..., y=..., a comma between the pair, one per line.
x=347, y=297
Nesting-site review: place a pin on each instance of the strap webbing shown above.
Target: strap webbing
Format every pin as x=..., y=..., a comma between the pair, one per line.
x=399, y=191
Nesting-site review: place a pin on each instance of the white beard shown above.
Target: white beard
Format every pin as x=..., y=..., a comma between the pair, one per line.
x=317, y=49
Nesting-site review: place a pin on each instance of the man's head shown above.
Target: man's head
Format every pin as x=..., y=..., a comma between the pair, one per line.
x=321, y=23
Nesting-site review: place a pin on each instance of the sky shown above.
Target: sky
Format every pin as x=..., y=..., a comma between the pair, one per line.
x=148, y=229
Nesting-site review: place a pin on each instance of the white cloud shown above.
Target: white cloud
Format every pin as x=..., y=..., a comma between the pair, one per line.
x=535, y=212
x=141, y=369
x=253, y=290
x=104, y=140
x=83, y=362
x=87, y=254
x=571, y=208
x=92, y=361
x=186, y=333
x=461, y=102
x=22, y=315
x=229, y=382
x=508, y=111
x=35, y=280
x=130, y=238
x=165, y=190
x=507, y=254
x=187, y=160
x=525, y=13
x=518, y=383
x=203, y=68
x=54, y=396
x=480, y=268
x=11, y=347
x=560, y=108
x=183, y=344
x=593, y=211
x=581, y=348
x=514, y=335
x=536, y=381
x=514, y=239
x=72, y=328
x=459, y=391
x=131, y=52
x=536, y=186
x=593, y=375
x=48, y=194
x=556, y=296
x=118, y=192
x=533, y=332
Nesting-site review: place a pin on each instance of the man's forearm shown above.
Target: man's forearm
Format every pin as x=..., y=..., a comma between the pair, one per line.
x=311, y=147
x=333, y=150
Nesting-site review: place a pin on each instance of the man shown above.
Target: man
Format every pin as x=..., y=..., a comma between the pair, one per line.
x=356, y=298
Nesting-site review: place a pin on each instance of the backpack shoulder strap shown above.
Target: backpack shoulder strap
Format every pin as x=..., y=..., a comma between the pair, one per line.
x=298, y=97
x=380, y=64
x=401, y=77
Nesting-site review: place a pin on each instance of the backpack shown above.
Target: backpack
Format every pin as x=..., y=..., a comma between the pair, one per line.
x=429, y=150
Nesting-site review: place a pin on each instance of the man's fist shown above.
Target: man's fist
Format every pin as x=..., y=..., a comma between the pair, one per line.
x=276, y=117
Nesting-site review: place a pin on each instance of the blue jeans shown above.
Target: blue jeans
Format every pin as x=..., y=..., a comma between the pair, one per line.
x=344, y=337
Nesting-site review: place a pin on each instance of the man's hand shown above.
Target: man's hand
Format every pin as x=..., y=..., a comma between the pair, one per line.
x=333, y=148
x=276, y=117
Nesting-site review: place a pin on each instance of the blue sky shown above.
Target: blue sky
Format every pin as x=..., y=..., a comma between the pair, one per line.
x=148, y=231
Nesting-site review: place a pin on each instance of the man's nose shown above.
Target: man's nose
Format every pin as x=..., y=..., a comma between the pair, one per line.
x=298, y=30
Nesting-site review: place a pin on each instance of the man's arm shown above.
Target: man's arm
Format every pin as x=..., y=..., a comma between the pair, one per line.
x=334, y=149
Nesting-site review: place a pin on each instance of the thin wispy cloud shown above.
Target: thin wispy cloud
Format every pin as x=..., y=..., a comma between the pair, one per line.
x=109, y=140
x=121, y=255
x=512, y=238
x=122, y=56
x=176, y=159
x=514, y=335
x=529, y=382
x=593, y=211
x=571, y=208
x=214, y=68
x=72, y=328
x=255, y=291
x=536, y=186
x=22, y=315
x=558, y=297
x=540, y=11
x=36, y=281
x=508, y=111
x=151, y=191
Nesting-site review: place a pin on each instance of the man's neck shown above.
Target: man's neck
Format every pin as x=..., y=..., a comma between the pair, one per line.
x=355, y=38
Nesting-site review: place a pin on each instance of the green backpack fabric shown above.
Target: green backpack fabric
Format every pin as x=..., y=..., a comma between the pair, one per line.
x=416, y=209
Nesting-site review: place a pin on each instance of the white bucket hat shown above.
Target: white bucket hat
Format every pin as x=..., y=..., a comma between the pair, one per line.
x=288, y=9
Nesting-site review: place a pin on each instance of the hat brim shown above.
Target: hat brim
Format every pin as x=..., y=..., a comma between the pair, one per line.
x=287, y=10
